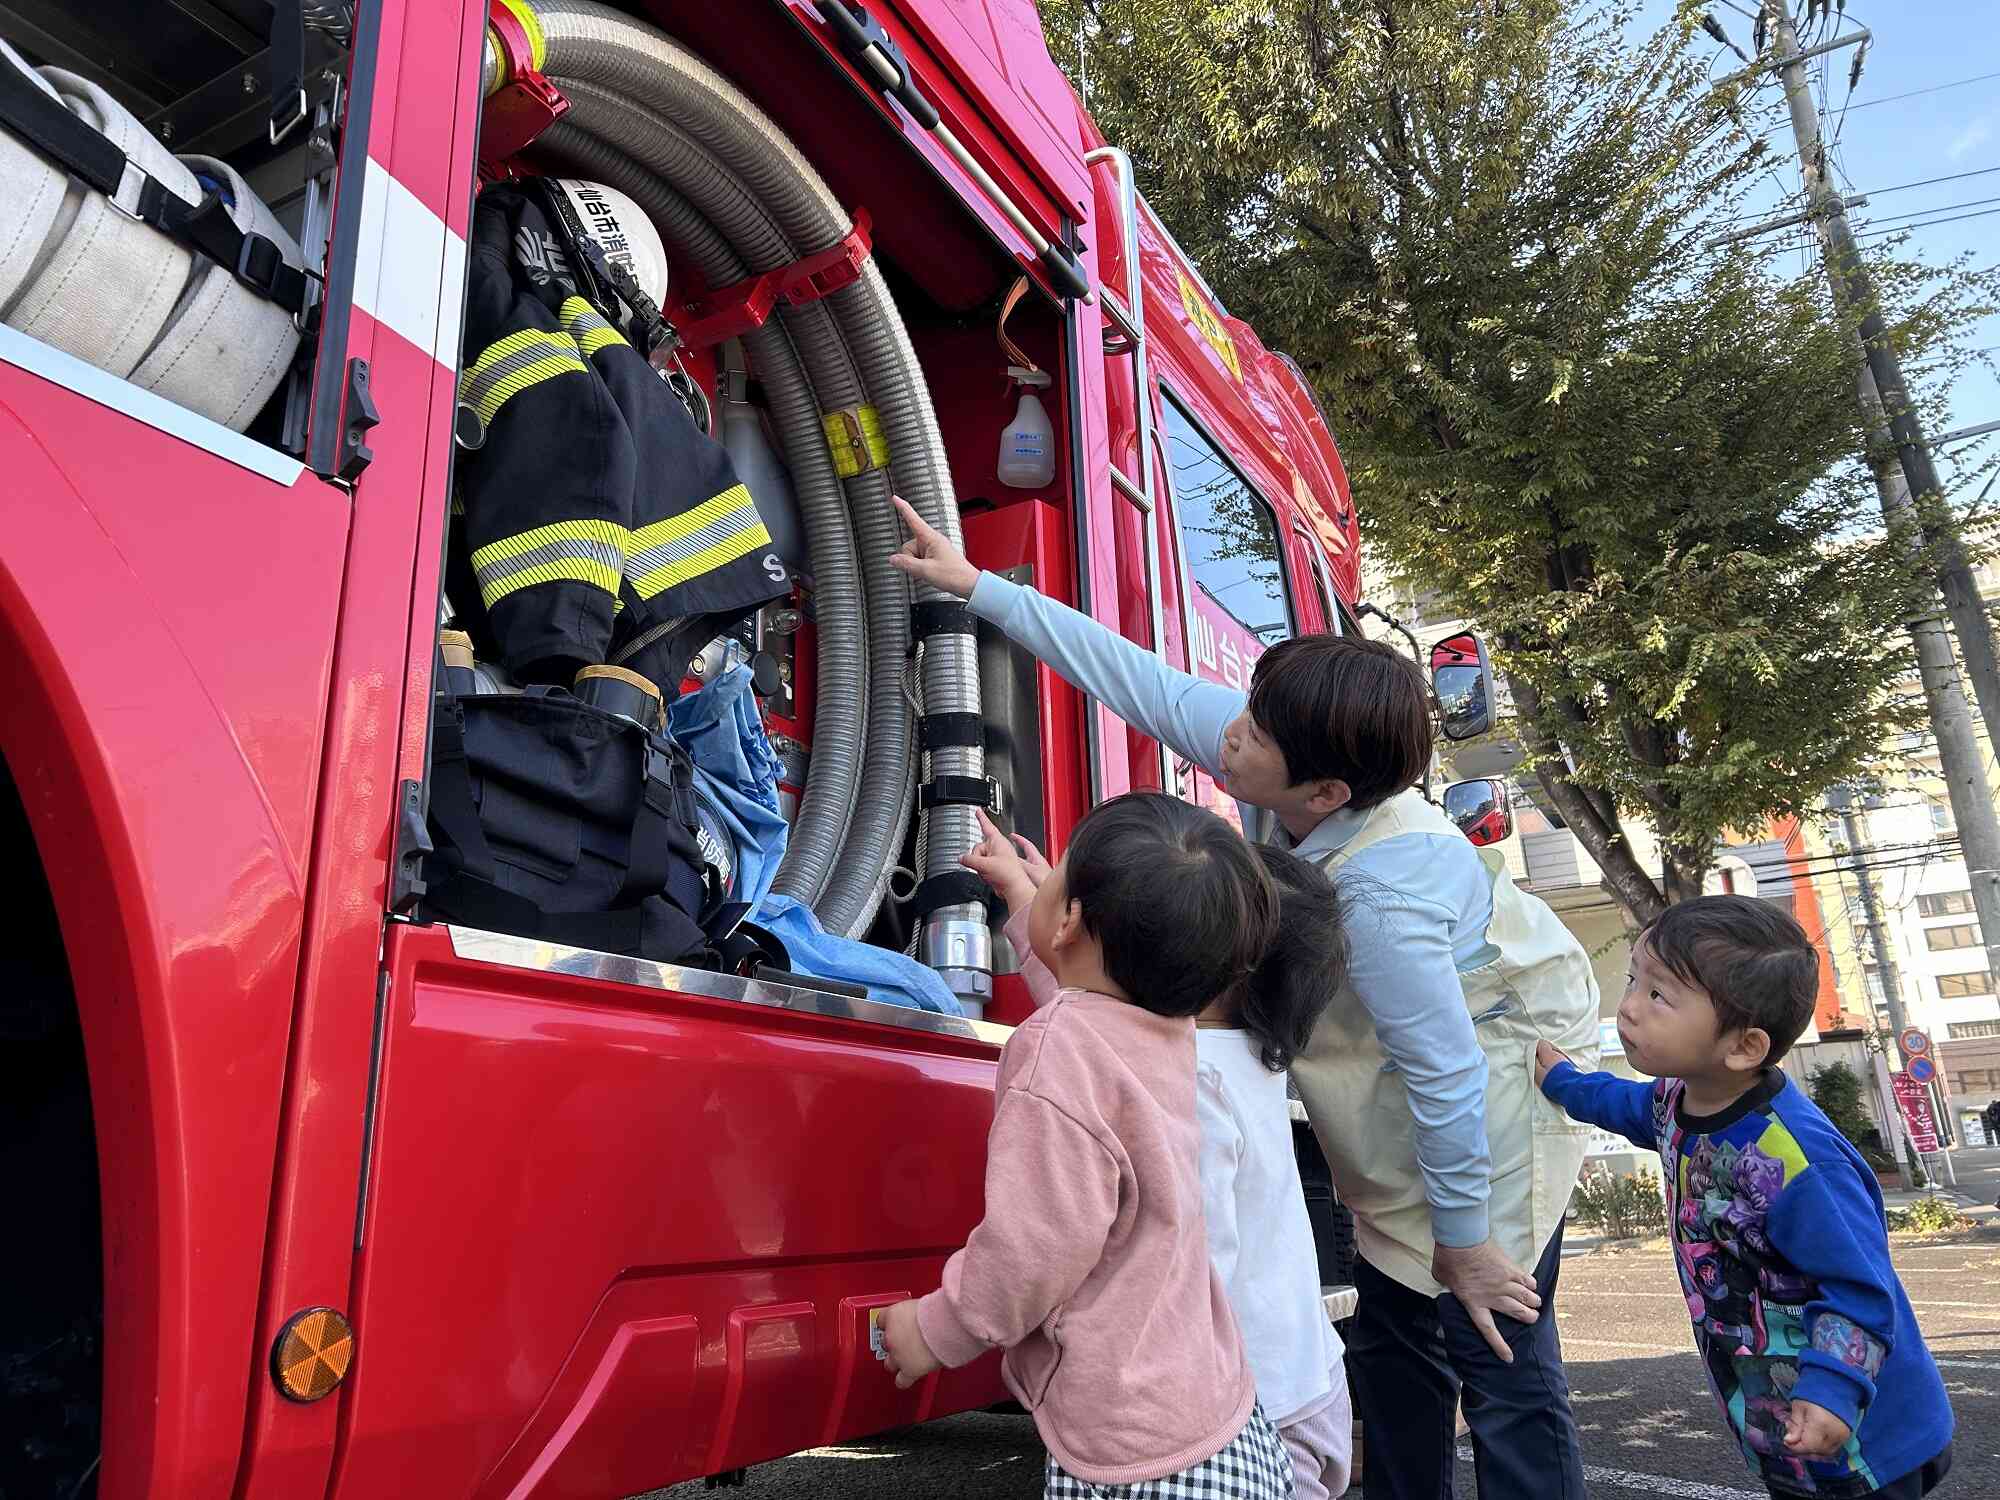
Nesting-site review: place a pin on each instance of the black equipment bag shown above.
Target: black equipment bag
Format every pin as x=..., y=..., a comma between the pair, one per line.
x=555, y=820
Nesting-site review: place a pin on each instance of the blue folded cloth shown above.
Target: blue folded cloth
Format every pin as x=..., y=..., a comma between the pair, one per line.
x=890, y=976
x=736, y=771
x=720, y=727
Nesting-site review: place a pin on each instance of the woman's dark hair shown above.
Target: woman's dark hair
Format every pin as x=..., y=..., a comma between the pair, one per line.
x=1340, y=708
x=1755, y=962
x=1180, y=905
x=1283, y=997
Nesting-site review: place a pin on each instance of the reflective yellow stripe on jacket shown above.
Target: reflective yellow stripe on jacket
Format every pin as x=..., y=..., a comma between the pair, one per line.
x=685, y=546
x=587, y=326
x=508, y=366
x=590, y=552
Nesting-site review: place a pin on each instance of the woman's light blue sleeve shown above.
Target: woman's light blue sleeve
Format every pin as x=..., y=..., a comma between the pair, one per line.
x=1184, y=713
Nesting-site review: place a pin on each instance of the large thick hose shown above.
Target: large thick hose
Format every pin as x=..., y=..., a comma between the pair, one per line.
x=727, y=185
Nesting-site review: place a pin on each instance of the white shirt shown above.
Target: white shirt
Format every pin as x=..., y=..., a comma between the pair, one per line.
x=1258, y=1233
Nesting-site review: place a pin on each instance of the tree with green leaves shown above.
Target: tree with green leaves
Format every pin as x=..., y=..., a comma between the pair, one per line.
x=1480, y=228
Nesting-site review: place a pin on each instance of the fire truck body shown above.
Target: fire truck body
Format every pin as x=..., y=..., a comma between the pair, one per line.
x=598, y=1224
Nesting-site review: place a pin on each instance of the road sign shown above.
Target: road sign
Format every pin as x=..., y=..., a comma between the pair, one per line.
x=1922, y=1069
x=1914, y=1042
x=1913, y=1101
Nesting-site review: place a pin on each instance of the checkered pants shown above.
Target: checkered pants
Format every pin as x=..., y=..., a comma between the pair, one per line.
x=1254, y=1466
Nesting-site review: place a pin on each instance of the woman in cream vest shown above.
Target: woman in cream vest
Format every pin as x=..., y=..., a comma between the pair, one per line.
x=1419, y=1079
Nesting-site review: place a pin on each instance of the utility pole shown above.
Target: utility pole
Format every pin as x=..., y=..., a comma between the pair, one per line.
x=1854, y=294
x=1842, y=799
x=1959, y=756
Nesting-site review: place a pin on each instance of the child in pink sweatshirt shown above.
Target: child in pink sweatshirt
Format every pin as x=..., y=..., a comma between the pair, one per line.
x=1091, y=1266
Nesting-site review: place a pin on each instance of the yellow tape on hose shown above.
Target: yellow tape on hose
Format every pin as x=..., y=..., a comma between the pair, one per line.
x=538, y=44
x=854, y=437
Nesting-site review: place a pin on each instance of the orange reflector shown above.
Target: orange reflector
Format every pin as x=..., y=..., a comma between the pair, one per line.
x=312, y=1354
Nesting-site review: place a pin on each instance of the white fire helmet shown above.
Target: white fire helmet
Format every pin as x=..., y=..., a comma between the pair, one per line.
x=622, y=231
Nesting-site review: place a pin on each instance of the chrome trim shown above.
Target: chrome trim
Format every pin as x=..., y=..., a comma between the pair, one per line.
x=1130, y=318
x=66, y=370
x=585, y=963
x=961, y=949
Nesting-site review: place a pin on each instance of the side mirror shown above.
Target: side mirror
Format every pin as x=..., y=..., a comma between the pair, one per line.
x=1483, y=810
x=1460, y=674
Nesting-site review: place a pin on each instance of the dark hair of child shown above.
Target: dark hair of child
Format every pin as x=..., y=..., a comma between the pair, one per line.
x=1283, y=997
x=1756, y=964
x=1180, y=905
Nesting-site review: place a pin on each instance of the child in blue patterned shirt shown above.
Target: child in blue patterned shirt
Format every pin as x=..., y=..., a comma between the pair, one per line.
x=1779, y=1236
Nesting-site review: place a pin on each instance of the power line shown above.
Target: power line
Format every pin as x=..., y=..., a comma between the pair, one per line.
x=1936, y=88
x=1935, y=208
x=1893, y=223
x=1928, y=223
x=1930, y=182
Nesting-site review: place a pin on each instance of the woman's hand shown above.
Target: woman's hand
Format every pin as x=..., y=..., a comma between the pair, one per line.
x=1486, y=1283
x=908, y=1357
x=929, y=558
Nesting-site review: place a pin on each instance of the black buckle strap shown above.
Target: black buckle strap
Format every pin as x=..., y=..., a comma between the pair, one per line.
x=207, y=227
x=603, y=282
x=950, y=731
x=929, y=617
x=953, y=888
x=960, y=791
x=59, y=136
x=66, y=141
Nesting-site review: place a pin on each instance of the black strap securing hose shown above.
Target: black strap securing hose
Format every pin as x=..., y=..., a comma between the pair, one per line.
x=942, y=731
x=929, y=617
x=64, y=140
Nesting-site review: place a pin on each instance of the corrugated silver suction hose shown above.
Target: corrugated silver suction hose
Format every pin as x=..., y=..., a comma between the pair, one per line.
x=717, y=159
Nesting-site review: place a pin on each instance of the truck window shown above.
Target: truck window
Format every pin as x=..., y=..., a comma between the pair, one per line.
x=1232, y=551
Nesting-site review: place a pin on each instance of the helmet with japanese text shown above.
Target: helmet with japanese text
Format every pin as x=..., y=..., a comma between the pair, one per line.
x=621, y=230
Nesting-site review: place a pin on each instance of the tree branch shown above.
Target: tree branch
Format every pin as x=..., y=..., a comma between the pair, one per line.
x=1624, y=877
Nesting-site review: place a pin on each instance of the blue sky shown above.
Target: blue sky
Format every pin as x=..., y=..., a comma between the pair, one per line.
x=1918, y=44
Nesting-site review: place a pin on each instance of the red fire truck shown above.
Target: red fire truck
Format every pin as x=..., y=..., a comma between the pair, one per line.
x=325, y=1197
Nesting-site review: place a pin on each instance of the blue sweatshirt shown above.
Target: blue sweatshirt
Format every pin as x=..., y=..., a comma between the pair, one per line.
x=1419, y=905
x=1783, y=1254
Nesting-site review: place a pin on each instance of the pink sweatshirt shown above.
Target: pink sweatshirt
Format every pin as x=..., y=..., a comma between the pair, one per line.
x=1091, y=1266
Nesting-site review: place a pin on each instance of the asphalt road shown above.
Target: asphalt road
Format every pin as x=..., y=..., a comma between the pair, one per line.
x=1649, y=1424
x=1978, y=1174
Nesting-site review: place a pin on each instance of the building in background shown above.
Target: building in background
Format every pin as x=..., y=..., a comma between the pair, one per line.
x=1905, y=849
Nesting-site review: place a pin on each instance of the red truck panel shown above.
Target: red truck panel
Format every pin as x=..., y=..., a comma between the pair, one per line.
x=595, y=1199
x=166, y=627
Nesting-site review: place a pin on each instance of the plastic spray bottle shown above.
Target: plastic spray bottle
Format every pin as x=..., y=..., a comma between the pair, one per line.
x=1028, y=443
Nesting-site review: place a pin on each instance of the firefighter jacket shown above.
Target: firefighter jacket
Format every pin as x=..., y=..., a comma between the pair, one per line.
x=596, y=522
